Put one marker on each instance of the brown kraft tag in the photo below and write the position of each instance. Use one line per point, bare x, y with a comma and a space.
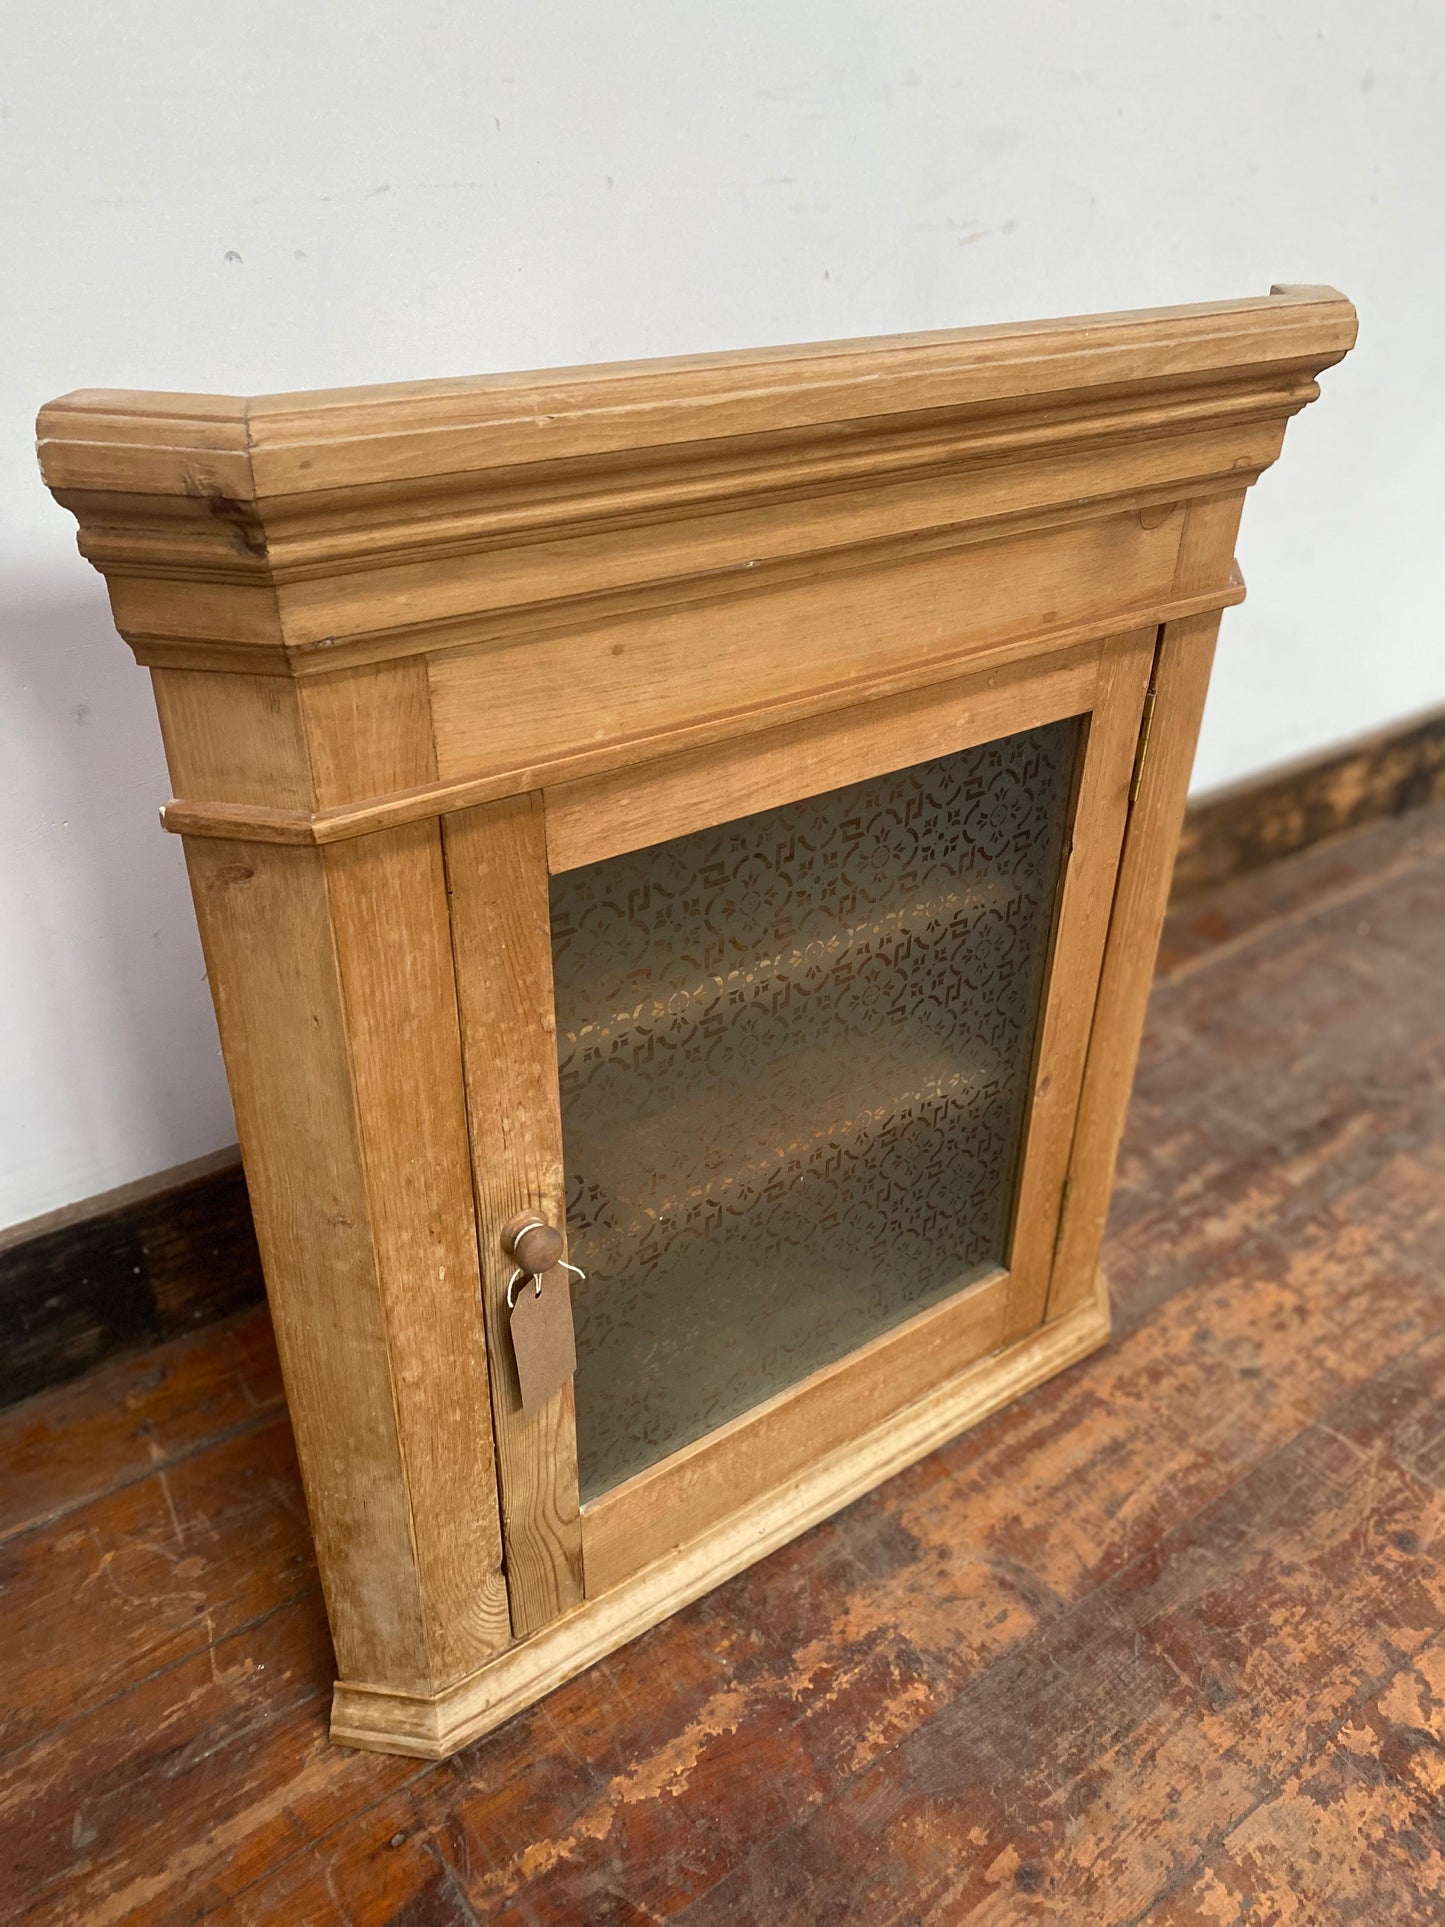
542, 1338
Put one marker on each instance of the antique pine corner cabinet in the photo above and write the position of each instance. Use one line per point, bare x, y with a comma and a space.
718, 810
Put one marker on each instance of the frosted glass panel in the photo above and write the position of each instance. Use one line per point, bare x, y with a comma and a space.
794, 1055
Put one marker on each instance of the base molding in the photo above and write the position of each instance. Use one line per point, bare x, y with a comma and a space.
431, 1727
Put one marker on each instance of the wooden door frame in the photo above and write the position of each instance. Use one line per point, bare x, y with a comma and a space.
1103, 681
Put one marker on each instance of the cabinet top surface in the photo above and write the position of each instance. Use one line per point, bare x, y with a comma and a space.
151, 442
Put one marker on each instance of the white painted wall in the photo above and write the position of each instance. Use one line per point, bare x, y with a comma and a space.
292, 195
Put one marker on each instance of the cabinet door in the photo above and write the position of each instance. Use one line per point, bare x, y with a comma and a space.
821, 999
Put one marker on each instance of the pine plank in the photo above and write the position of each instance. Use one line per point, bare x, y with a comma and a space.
148, 1575
501, 935
121, 1421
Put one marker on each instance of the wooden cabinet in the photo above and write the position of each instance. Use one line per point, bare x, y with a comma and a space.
720, 809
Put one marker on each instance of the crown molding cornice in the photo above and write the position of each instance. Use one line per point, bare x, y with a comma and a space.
284, 445
299, 534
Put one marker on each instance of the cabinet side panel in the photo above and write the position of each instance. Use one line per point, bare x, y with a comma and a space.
496, 859
1183, 658
1082, 924
266, 930
1186, 651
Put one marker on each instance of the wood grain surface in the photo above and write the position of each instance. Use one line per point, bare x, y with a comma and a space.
1178, 685
1163, 1642
496, 860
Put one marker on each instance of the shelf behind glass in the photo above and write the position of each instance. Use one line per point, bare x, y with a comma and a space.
794, 1055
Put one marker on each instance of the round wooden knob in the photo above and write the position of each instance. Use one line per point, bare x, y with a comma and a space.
533, 1242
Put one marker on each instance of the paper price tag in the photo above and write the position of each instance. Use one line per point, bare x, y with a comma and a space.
543, 1342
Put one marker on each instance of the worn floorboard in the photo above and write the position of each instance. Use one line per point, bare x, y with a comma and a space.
1165, 1641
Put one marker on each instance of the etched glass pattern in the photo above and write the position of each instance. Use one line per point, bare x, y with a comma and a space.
794, 1055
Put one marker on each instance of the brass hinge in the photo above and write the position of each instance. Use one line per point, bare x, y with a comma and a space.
1063, 1213
1146, 723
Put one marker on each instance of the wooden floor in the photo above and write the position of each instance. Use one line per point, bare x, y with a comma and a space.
1163, 1642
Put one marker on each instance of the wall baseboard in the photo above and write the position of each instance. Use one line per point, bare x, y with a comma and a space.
129, 1268
1286, 810
160, 1257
